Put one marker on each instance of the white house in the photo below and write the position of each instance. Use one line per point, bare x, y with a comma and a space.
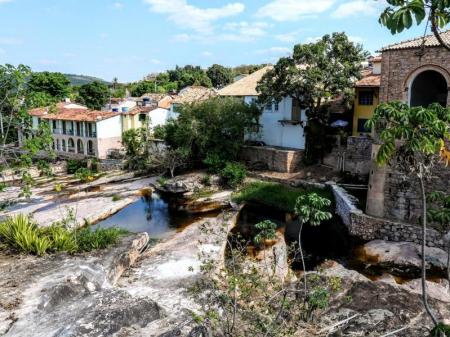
78, 131
282, 123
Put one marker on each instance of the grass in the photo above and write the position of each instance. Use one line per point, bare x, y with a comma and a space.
275, 195
21, 234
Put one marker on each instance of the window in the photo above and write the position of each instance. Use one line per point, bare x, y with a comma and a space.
276, 106
365, 98
362, 125
253, 100
142, 117
268, 107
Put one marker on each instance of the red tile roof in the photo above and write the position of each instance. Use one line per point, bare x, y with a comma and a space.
72, 114
369, 80
430, 41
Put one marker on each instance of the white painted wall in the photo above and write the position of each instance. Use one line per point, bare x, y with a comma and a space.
109, 128
160, 116
273, 133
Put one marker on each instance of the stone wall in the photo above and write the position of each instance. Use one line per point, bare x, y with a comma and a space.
272, 158
354, 158
399, 67
369, 228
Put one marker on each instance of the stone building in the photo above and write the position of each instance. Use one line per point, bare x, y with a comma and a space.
416, 72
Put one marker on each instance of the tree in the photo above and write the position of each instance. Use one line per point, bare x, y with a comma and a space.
189, 75
141, 88
400, 15
311, 209
215, 126
55, 85
219, 75
314, 74
411, 141
94, 95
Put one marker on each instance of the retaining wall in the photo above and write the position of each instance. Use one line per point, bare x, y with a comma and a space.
368, 228
272, 158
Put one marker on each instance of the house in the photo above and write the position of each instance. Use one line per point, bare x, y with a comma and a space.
78, 131
281, 122
416, 72
189, 95
367, 96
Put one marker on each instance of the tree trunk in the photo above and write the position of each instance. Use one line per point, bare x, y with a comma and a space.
448, 263
303, 259
424, 242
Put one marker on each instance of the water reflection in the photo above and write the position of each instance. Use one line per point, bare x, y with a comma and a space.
153, 215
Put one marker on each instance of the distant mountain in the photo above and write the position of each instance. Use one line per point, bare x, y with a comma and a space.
82, 79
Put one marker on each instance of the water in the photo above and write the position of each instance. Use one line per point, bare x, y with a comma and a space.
153, 215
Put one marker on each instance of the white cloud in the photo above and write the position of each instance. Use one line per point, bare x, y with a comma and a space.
243, 31
189, 16
282, 51
291, 10
118, 5
155, 61
8, 40
207, 54
357, 8
5, 1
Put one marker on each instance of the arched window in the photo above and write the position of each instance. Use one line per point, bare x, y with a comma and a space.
428, 87
64, 145
58, 145
80, 147
71, 145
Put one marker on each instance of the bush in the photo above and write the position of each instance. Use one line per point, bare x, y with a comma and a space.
214, 163
439, 329
23, 235
84, 174
99, 239
73, 165
233, 174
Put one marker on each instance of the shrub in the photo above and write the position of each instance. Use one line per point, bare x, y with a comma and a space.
99, 239
440, 329
214, 163
22, 234
73, 165
206, 180
84, 174
233, 174
267, 231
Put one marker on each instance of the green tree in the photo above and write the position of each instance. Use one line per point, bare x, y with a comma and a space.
189, 75
314, 74
219, 75
401, 14
215, 126
55, 85
140, 88
267, 231
94, 95
311, 209
411, 141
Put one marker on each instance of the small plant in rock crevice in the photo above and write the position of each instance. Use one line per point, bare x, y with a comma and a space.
267, 231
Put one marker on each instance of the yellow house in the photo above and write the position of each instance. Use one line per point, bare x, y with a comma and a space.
367, 97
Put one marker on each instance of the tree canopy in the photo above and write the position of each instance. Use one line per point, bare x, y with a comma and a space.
315, 73
94, 95
401, 14
50, 85
219, 75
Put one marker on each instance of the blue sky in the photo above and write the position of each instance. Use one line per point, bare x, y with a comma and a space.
132, 38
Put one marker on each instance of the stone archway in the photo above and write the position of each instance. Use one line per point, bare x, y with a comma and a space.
80, 146
427, 85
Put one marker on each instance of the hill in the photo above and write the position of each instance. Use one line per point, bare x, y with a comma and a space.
82, 79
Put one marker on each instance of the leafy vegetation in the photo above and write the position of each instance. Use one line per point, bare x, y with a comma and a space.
79, 80
214, 127
311, 209
267, 231
412, 141
220, 76
21, 233
274, 195
314, 75
94, 95
233, 174
400, 15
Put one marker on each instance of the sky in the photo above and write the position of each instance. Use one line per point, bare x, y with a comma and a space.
129, 39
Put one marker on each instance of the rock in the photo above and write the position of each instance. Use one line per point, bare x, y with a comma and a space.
215, 201
402, 256
439, 291
65, 296
333, 269
182, 184
274, 259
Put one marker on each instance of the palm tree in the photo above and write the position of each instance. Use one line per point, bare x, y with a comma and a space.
412, 140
